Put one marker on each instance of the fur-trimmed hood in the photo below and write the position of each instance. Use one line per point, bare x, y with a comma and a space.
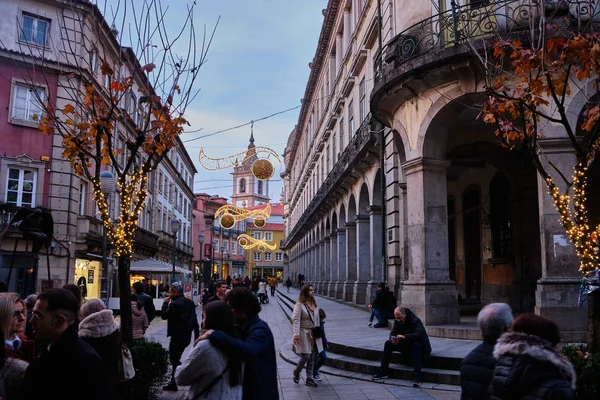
98, 324
519, 344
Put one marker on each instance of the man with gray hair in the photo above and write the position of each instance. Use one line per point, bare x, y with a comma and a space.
477, 367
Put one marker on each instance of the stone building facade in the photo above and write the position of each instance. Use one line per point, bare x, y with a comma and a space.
467, 222
38, 29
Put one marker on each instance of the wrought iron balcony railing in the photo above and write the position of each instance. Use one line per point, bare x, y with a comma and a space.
478, 19
341, 169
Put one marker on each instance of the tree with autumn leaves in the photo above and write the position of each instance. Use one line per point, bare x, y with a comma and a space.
108, 94
531, 76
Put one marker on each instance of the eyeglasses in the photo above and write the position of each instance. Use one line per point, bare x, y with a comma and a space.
20, 314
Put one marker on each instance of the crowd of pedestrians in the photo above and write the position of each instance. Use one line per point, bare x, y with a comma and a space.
54, 340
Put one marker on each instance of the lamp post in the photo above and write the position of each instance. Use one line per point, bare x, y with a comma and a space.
107, 186
201, 242
212, 255
175, 224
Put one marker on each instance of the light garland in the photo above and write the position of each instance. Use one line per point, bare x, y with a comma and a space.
231, 214
215, 164
575, 221
123, 234
248, 243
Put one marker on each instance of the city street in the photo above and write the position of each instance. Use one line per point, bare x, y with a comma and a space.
331, 388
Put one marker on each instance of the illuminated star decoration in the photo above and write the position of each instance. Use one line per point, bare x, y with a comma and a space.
249, 243
231, 214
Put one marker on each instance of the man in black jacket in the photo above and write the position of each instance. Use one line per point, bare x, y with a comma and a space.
477, 367
146, 300
408, 336
383, 306
69, 368
257, 347
180, 313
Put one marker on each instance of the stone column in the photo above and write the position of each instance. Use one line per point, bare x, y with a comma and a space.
351, 261
363, 257
341, 263
332, 72
322, 265
376, 273
326, 275
558, 289
428, 291
339, 52
333, 269
347, 30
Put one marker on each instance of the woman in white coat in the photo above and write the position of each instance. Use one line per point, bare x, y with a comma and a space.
305, 317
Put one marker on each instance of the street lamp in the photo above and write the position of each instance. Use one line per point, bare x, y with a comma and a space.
175, 224
107, 187
201, 242
212, 256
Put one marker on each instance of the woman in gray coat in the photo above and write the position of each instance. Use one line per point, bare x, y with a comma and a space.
304, 318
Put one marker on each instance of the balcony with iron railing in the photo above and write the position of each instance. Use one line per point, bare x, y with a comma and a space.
461, 31
362, 142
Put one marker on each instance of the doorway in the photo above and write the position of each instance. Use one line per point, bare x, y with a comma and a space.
472, 243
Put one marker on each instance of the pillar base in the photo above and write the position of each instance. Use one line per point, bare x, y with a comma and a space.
331, 289
435, 303
556, 299
359, 296
339, 290
348, 294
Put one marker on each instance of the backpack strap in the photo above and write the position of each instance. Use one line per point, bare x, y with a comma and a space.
208, 388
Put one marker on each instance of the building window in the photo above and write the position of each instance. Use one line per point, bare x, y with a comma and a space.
351, 119
233, 247
500, 216
242, 186
342, 134
27, 103
34, 29
82, 197
160, 182
260, 187
256, 256
268, 256
226, 245
278, 256
20, 187
334, 147
362, 89
216, 243
257, 235
269, 236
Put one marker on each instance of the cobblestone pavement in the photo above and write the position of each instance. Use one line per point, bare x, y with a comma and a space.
331, 388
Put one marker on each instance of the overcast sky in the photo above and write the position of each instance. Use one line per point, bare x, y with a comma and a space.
257, 66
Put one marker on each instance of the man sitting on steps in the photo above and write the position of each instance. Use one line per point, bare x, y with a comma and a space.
408, 337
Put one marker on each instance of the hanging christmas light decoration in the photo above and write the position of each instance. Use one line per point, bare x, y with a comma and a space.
216, 164
259, 221
263, 169
230, 214
248, 243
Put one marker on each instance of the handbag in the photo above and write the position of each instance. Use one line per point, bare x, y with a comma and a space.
317, 332
126, 371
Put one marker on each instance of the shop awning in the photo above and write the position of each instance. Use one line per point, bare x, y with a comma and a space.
153, 265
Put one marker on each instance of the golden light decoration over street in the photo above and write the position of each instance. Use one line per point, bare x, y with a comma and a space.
249, 243
259, 222
230, 211
227, 221
263, 169
215, 164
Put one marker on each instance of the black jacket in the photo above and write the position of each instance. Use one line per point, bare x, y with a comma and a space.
413, 330
70, 370
180, 314
148, 304
530, 368
476, 371
380, 299
257, 350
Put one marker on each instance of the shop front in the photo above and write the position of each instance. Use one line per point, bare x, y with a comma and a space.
87, 277
267, 271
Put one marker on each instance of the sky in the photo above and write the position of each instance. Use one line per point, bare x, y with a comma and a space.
257, 65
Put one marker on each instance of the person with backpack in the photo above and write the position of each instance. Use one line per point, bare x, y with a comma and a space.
145, 300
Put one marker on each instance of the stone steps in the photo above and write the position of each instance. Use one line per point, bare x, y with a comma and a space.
438, 369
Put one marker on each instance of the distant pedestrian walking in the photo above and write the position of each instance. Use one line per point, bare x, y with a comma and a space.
180, 313
304, 318
273, 285
146, 300
139, 318
288, 284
